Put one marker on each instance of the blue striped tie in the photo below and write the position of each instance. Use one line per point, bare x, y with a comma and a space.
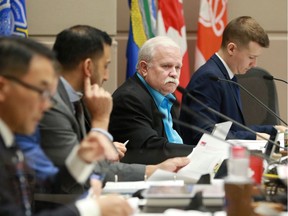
23, 182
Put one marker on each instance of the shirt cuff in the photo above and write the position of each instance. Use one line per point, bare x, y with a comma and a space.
88, 207
77, 167
104, 132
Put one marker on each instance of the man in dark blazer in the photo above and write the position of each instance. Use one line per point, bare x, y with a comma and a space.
143, 109
27, 81
242, 43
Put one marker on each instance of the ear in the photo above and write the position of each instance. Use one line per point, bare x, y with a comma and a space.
231, 48
3, 89
87, 67
143, 67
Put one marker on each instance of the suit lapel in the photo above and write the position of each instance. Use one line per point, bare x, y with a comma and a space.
64, 106
14, 176
226, 76
173, 109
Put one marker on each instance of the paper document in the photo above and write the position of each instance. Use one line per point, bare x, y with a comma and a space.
250, 144
206, 157
133, 186
161, 175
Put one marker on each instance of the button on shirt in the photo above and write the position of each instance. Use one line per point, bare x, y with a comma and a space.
164, 105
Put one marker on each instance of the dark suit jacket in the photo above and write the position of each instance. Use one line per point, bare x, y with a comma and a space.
217, 95
10, 194
60, 132
135, 117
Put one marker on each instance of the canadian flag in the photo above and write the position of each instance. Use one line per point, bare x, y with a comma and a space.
211, 23
170, 22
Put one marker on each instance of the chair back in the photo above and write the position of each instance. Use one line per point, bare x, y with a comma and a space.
265, 91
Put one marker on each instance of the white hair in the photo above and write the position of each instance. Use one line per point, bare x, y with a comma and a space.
147, 51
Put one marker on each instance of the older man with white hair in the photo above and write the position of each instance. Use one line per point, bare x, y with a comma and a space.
143, 108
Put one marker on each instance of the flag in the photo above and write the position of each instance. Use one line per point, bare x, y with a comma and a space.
170, 22
13, 18
142, 27
211, 23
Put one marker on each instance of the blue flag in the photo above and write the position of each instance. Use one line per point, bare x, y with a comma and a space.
13, 18
142, 27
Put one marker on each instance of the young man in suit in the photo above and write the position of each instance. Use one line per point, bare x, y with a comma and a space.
242, 43
28, 79
143, 109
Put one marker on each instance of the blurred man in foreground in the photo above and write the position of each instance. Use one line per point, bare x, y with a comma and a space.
27, 82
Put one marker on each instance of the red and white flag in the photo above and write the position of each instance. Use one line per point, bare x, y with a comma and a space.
211, 23
170, 22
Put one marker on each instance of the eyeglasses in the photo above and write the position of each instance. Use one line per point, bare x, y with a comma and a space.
44, 94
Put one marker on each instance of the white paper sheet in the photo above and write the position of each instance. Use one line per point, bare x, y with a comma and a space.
206, 157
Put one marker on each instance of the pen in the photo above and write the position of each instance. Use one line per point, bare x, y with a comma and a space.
125, 143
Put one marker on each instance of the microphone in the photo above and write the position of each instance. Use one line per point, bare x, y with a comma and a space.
186, 109
269, 77
249, 93
191, 127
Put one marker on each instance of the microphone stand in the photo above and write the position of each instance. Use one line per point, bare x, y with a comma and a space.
192, 127
184, 91
267, 77
249, 93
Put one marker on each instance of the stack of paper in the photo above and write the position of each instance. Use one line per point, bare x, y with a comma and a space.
132, 187
180, 196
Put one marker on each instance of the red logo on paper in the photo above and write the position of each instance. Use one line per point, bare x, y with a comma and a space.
202, 143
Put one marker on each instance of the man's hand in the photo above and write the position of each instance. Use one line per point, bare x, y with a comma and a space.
172, 165
280, 128
121, 149
96, 146
263, 136
99, 103
96, 187
114, 205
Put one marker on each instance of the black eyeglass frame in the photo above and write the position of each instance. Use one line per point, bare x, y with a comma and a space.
44, 94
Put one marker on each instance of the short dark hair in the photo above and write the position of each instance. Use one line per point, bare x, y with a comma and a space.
243, 30
78, 43
16, 54
107, 39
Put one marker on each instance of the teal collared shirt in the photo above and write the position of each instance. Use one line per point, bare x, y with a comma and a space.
164, 106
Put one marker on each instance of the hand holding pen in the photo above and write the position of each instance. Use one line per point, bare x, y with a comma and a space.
121, 148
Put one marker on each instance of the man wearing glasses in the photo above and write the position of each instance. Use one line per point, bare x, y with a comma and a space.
27, 80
